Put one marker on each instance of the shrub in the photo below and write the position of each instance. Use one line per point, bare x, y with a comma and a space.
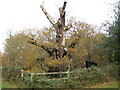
94, 75
11, 73
86, 77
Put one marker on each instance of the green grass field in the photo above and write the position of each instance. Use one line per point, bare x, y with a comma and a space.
108, 85
104, 85
5, 86
111, 85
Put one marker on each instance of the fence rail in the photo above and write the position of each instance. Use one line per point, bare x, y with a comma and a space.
51, 73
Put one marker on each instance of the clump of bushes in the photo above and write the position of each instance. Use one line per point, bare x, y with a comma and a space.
94, 75
85, 77
11, 73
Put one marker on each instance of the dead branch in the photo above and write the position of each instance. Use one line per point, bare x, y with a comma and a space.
67, 27
47, 15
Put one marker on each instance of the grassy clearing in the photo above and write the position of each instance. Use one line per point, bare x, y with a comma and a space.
6, 84
113, 84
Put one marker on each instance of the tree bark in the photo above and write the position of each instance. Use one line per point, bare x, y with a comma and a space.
60, 28
50, 51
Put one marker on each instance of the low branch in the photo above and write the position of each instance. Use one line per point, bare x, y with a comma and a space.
47, 49
74, 43
67, 27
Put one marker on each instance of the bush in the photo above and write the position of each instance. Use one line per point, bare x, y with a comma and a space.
95, 75
10, 73
86, 77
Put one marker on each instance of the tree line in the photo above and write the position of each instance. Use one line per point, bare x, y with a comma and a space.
62, 46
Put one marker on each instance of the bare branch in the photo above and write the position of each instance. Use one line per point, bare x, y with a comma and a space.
62, 9
62, 13
67, 27
64, 5
49, 50
47, 15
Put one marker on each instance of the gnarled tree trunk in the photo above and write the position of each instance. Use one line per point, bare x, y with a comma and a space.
60, 28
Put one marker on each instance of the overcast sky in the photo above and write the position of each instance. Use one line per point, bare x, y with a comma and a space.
16, 15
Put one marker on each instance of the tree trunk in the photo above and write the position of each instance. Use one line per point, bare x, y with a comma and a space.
60, 28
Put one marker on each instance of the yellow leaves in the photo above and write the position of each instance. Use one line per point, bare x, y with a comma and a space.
89, 43
27, 66
36, 70
66, 60
56, 63
72, 50
52, 62
46, 33
83, 52
83, 29
50, 44
3, 59
28, 70
29, 59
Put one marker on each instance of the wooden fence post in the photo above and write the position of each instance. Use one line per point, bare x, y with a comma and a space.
32, 74
22, 71
31, 78
68, 75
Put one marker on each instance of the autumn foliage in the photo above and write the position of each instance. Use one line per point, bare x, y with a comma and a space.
82, 41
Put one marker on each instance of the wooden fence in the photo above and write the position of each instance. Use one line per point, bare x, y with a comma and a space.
51, 73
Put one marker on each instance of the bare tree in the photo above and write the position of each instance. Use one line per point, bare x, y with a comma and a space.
60, 28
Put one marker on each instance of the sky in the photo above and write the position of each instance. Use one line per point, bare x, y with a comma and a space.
16, 15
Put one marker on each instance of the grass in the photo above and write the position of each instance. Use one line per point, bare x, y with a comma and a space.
113, 84
5, 86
